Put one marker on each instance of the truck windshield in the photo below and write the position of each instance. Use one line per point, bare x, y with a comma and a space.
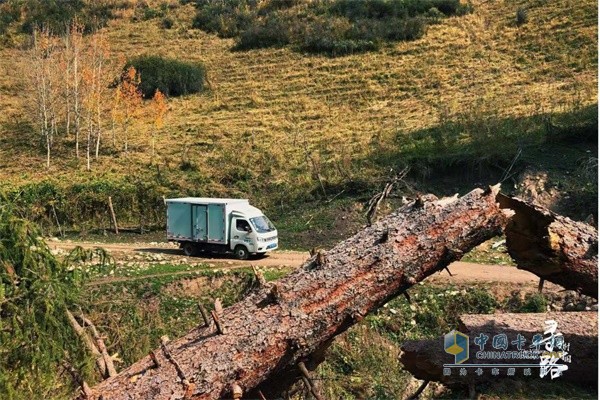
262, 224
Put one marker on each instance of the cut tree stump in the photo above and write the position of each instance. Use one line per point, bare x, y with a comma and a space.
555, 248
294, 320
425, 359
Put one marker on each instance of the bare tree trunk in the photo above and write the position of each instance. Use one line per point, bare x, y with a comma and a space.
112, 215
125, 134
295, 319
98, 132
77, 92
114, 136
47, 151
553, 247
425, 359
68, 64
100, 77
89, 142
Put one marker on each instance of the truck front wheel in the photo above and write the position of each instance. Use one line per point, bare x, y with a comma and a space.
241, 252
189, 249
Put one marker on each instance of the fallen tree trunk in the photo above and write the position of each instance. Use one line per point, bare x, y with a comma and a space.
266, 335
553, 247
425, 359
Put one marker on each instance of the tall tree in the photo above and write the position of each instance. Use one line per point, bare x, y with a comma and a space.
130, 100
43, 55
159, 110
75, 50
103, 67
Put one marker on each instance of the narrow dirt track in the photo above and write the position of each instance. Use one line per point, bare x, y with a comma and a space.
461, 271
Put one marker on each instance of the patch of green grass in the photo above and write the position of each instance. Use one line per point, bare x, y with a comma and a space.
529, 303
317, 224
275, 274
134, 314
136, 269
363, 364
492, 252
433, 312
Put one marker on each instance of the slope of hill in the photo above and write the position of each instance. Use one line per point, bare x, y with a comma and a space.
283, 127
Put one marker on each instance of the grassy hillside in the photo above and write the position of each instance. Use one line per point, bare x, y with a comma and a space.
282, 127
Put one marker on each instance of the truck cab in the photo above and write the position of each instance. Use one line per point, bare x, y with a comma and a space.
219, 226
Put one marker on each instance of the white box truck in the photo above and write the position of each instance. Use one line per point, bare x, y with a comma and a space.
201, 224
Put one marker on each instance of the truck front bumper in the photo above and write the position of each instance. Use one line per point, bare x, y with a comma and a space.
266, 247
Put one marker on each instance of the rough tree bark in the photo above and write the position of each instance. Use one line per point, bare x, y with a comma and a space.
425, 359
553, 247
295, 319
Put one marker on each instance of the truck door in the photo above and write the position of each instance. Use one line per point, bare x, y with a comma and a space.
216, 223
199, 223
241, 234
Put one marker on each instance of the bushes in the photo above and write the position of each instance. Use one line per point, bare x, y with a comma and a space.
390, 9
166, 23
35, 292
171, 77
9, 13
58, 14
226, 19
84, 205
337, 37
272, 32
522, 16
337, 27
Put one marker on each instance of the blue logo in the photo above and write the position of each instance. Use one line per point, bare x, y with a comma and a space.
457, 344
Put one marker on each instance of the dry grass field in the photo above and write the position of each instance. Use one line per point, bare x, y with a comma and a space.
309, 138
280, 123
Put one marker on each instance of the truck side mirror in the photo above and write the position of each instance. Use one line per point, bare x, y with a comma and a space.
248, 229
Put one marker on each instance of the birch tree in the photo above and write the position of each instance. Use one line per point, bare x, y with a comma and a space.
103, 68
74, 50
159, 110
43, 78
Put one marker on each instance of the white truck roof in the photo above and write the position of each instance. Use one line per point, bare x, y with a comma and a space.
206, 200
233, 205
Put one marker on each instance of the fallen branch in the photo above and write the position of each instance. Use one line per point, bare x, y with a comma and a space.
108, 360
376, 200
89, 344
112, 215
294, 320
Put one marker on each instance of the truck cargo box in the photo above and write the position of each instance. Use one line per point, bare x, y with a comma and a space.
200, 219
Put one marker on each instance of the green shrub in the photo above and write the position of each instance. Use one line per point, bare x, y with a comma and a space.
336, 27
84, 205
337, 37
339, 47
270, 32
386, 9
57, 15
151, 13
534, 303
172, 77
434, 15
226, 19
404, 29
10, 12
36, 290
521, 17
166, 23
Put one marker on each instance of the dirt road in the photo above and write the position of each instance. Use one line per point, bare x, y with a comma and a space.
147, 252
